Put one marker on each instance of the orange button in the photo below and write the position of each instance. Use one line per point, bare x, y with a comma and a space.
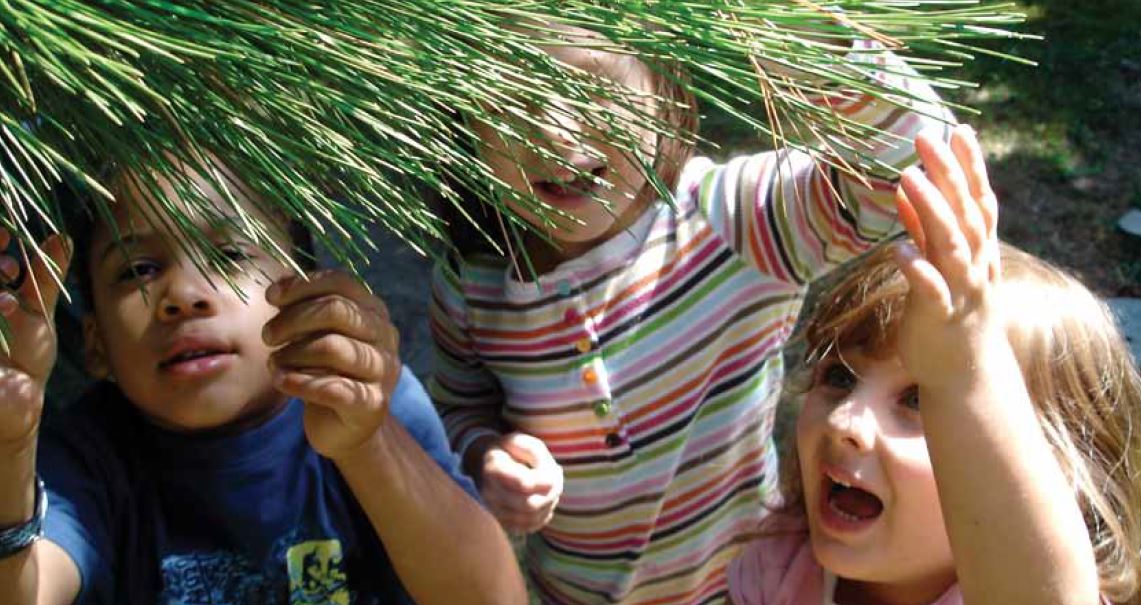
589, 376
583, 345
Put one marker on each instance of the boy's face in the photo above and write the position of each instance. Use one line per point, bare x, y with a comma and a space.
187, 352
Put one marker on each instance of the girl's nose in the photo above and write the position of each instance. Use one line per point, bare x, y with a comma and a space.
186, 294
853, 424
561, 125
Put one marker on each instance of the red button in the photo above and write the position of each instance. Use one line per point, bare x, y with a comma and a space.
571, 315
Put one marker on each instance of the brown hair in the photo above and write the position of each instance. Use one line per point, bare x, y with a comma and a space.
1078, 370
679, 111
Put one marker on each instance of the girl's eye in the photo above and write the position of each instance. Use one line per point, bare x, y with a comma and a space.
837, 376
910, 398
234, 254
139, 270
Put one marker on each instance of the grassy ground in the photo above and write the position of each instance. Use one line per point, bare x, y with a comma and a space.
1063, 138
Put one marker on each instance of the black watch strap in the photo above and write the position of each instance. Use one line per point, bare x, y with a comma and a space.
16, 539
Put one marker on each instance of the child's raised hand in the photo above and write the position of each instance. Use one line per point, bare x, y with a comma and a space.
338, 353
29, 311
953, 267
521, 482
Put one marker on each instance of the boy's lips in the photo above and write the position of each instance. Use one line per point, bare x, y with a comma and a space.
195, 356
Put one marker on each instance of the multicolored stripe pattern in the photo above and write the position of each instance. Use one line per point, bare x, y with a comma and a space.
651, 365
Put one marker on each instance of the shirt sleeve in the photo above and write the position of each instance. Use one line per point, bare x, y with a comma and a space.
466, 393
413, 409
78, 483
795, 215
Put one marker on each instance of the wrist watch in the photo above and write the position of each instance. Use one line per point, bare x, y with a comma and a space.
17, 538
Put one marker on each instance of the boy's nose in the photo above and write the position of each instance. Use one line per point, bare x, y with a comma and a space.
187, 294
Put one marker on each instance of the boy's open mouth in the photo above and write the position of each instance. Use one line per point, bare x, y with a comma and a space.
581, 184
850, 502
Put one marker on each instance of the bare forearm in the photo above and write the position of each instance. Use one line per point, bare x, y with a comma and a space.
444, 546
1015, 527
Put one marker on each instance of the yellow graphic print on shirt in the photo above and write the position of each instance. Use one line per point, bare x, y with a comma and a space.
316, 574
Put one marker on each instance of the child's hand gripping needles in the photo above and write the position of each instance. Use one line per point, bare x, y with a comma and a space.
24, 370
338, 353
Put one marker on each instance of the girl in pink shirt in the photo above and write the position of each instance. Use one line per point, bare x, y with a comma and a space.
966, 435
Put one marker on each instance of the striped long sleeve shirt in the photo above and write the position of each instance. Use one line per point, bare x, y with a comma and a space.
650, 366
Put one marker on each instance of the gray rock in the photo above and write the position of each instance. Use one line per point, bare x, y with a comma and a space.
1130, 222
1128, 312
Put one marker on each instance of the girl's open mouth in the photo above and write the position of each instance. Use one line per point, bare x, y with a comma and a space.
847, 508
852, 502
582, 185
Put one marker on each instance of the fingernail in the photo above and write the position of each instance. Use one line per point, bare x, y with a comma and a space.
8, 303
906, 250
9, 267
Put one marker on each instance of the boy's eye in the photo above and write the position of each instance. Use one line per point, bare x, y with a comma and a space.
837, 376
139, 269
910, 398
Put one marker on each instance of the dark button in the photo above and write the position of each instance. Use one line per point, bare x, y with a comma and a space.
613, 440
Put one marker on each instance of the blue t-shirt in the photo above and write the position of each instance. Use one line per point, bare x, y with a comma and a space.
150, 516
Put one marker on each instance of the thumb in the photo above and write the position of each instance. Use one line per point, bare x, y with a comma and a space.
48, 268
526, 449
531, 451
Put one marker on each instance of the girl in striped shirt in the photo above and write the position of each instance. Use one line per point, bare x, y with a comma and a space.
620, 405
969, 433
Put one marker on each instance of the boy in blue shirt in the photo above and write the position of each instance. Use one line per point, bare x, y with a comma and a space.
265, 449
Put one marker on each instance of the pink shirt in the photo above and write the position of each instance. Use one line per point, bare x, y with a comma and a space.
781, 570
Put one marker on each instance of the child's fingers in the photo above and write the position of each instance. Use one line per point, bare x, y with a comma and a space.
290, 290
351, 399
331, 312
533, 452
945, 248
923, 278
43, 284
906, 213
965, 146
508, 474
335, 354
942, 168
